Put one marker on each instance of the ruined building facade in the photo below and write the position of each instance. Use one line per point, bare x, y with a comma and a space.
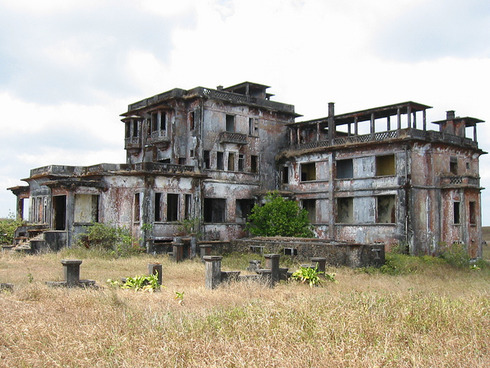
377, 175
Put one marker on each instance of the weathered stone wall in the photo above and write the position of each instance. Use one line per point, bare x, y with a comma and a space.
337, 254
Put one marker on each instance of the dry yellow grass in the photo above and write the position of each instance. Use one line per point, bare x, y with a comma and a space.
438, 318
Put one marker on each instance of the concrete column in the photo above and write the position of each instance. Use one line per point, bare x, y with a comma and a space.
213, 271
272, 263
71, 271
319, 263
155, 269
178, 249
205, 250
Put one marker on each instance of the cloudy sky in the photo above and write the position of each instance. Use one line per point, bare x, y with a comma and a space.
68, 68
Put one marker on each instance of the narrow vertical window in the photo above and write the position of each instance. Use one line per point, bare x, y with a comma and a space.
456, 215
187, 206
453, 165
254, 163
231, 161
285, 174
135, 128
136, 207
240, 162
250, 126
207, 162
230, 123
163, 121
191, 121
472, 213
219, 161
158, 211
172, 207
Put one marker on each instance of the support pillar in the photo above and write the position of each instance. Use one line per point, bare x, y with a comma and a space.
178, 249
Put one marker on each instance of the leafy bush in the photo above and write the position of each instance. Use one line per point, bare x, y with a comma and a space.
311, 276
456, 255
279, 217
144, 283
7, 229
116, 240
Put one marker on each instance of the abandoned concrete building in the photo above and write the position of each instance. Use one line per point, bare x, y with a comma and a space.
376, 175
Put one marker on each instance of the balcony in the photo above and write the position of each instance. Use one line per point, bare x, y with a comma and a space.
232, 137
159, 138
409, 133
132, 143
460, 182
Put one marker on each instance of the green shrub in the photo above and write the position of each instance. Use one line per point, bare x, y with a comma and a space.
311, 276
7, 229
456, 255
143, 283
279, 217
116, 240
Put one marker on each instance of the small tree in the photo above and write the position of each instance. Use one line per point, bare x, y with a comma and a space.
7, 229
279, 217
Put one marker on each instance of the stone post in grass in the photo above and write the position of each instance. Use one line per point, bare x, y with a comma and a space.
319, 263
272, 263
213, 271
155, 269
72, 271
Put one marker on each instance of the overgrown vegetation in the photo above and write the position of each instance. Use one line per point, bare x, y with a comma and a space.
143, 283
279, 217
434, 317
7, 229
115, 240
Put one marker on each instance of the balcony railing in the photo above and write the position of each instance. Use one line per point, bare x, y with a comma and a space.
431, 136
159, 138
163, 167
132, 143
232, 137
460, 181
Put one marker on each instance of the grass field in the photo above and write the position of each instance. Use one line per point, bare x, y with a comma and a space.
434, 316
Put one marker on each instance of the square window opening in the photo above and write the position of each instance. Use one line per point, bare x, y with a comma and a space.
385, 165
345, 169
308, 171
345, 210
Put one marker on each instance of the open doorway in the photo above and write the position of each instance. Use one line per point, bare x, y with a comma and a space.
59, 207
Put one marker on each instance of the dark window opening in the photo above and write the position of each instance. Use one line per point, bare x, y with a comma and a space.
231, 161
345, 210
219, 161
241, 161
290, 252
345, 169
136, 208
259, 249
285, 174
308, 171
158, 209
182, 160
172, 207
254, 163
453, 165
243, 209
135, 128
230, 123
385, 165
59, 203
472, 213
214, 210
154, 122
456, 218
191, 120
250, 126
191, 153
386, 213
128, 129
187, 206
207, 162
163, 121
310, 206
